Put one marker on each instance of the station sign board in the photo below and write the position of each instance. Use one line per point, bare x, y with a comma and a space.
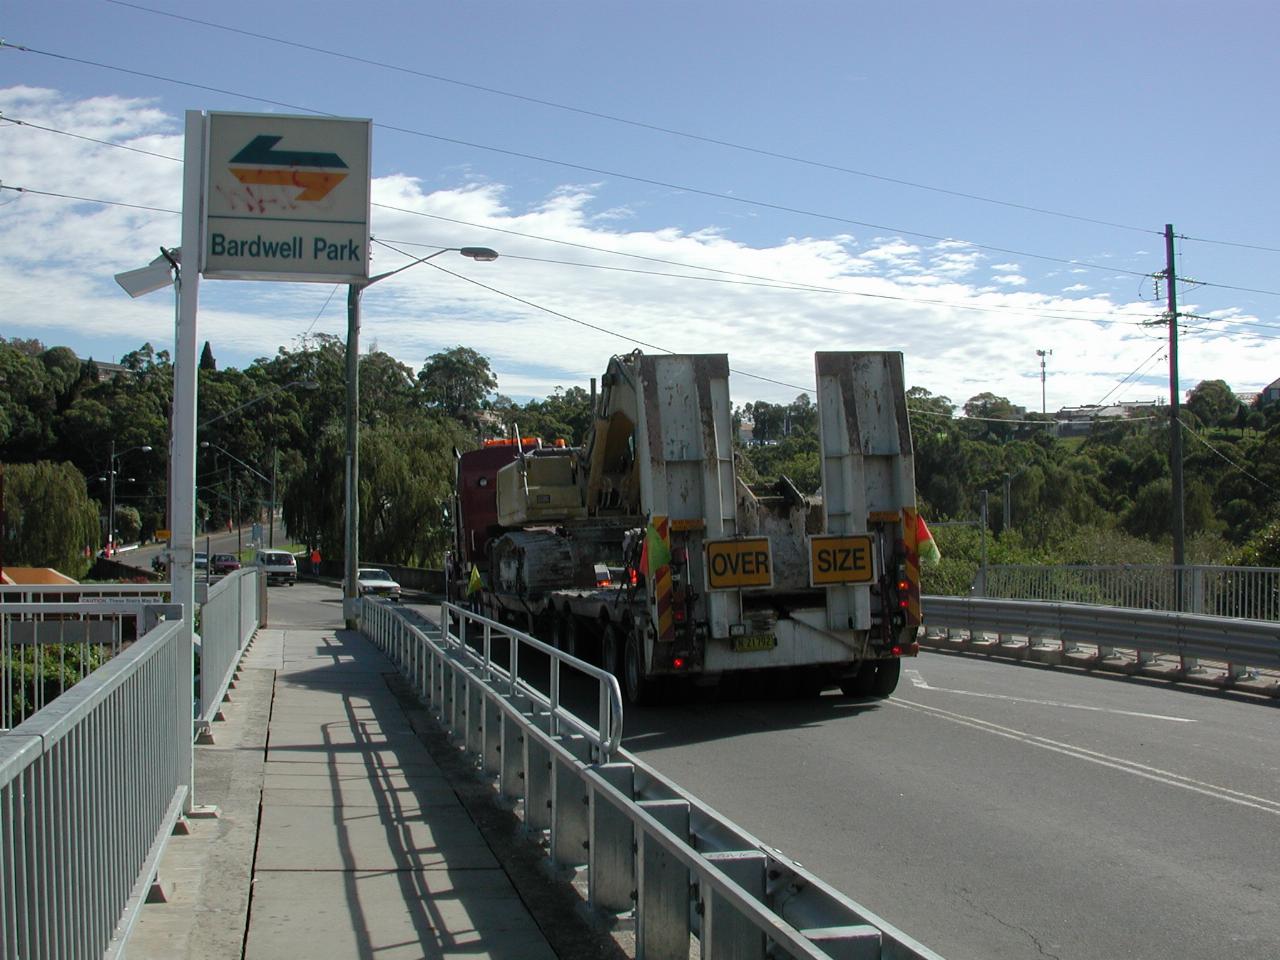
286, 198
840, 559
739, 564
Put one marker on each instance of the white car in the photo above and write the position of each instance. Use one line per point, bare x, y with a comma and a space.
373, 581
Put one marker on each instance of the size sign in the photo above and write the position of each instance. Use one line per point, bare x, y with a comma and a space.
735, 564
840, 559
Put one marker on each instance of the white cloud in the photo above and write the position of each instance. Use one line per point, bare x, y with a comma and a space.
691, 288
1076, 288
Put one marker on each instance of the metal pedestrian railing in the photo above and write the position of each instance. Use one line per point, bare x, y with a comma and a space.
1251, 593
677, 866
90, 788
228, 619
46, 648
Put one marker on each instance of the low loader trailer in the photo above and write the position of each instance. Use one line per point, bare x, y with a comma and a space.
645, 551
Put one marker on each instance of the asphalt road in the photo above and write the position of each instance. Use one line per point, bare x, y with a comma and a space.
995, 810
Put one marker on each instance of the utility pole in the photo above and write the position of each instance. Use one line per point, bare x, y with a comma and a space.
1044, 408
350, 594
1175, 401
271, 519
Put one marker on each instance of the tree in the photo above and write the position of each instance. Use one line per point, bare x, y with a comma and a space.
456, 382
49, 518
1213, 403
986, 410
207, 362
566, 414
920, 402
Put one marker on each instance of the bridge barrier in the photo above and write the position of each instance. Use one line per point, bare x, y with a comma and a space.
649, 849
1242, 646
90, 789
1252, 593
229, 616
47, 647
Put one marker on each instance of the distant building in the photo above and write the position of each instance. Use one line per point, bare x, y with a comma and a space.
32, 577
108, 371
1271, 392
1079, 421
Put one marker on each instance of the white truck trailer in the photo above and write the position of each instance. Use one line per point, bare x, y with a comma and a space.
645, 549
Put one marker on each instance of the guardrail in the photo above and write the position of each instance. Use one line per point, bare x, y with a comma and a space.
75, 592
46, 648
1249, 592
90, 789
228, 619
650, 849
1239, 644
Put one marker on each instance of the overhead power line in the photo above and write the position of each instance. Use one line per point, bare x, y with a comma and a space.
653, 346
69, 196
601, 171
640, 124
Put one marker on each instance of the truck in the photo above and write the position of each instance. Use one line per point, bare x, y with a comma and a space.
644, 549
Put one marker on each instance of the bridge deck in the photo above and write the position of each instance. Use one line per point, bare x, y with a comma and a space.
338, 835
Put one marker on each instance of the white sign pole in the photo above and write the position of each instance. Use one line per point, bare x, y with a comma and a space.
182, 452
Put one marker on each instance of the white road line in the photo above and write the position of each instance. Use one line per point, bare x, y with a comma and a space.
1092, 756
922, 684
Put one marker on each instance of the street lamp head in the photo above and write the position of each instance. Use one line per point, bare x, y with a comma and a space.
483, 254
145, 448
156, 275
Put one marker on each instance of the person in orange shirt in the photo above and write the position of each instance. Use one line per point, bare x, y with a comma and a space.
315, 561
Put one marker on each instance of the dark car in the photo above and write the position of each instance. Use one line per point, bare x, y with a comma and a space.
224, 563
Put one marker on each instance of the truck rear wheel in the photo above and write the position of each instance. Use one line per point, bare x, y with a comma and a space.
611, 650
875, 678
639, 689
887, 673
566, 633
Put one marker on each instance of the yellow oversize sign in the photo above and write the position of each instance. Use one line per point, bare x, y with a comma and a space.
840, 559
735, 564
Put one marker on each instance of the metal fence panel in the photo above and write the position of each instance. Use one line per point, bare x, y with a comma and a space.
46, 648
90, 788
651, 840
228, 619
1249, 593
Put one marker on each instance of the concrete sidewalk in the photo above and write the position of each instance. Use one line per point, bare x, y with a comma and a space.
338, 836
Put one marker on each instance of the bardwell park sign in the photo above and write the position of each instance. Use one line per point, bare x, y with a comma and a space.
286, 198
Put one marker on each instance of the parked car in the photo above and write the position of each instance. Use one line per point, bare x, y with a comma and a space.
224, 563
279, 566
372, 580
202, 562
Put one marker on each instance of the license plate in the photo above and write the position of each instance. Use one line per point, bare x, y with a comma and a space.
753, 641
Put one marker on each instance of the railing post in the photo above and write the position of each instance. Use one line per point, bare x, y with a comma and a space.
662, 887
511, 777
611, 854
537, 784
569, 800
726, 932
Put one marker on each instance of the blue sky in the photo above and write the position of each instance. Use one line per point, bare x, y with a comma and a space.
965, 183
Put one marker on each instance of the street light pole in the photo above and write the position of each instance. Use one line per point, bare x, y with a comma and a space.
111, 502
350, 595
111, 492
